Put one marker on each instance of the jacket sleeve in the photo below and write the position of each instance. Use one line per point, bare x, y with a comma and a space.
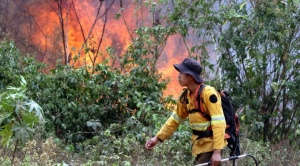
171, 125
213, 105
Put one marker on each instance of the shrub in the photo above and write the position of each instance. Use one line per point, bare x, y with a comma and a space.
19, 117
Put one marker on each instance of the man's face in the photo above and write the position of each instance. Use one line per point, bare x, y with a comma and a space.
184, 79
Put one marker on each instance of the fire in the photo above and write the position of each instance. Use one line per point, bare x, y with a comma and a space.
81, 22
174, 53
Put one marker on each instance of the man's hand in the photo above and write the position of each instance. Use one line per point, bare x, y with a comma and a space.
216, 158
151, 143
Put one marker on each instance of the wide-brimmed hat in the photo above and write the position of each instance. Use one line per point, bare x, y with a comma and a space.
191, 67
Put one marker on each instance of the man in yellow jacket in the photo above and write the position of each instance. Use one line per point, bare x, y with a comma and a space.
208, 130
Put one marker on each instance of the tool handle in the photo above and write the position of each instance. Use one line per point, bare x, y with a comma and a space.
227, 159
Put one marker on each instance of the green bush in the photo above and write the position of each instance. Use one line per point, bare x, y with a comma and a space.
13, 64
79, 104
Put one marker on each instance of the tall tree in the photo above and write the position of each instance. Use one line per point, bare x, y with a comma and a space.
256, 44
260, 59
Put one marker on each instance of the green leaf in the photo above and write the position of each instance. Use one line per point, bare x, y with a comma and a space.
23, 81
6, 106
30, 119
126, 163
22, 131
117, 16
19, 106
4, 115
242, 5
243, 117
37, 108
154, 117
139, 114
94, 124
6, 133
70, 148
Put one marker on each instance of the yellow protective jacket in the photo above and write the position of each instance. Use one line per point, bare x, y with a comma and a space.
212, 106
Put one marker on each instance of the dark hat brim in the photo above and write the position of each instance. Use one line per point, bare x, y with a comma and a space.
183, 69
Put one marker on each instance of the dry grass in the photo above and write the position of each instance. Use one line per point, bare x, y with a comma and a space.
47, 152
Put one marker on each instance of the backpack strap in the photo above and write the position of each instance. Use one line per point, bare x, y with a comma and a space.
200, 103
183, 97
208, 132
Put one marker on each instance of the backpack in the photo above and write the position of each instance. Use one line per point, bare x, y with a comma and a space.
231, 118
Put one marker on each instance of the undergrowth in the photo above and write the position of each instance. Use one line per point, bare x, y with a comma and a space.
128, 150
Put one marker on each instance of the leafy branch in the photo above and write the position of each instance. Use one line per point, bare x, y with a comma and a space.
19, 116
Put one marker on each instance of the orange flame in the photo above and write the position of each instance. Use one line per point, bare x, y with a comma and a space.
116, 33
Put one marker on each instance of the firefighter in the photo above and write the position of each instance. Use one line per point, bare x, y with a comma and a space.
208, 133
